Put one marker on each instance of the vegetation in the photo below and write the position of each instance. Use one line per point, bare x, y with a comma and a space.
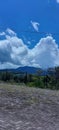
50, 80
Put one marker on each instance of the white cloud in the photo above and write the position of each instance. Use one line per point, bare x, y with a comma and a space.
35, 25
14, 53
10, 32
29, 43
12, 50
7, 65
46, 52
57, 1
2, 33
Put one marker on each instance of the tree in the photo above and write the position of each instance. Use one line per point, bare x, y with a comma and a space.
39, 72
6, 76
25, 78
57, 72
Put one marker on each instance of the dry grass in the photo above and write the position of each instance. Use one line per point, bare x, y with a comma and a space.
24, 108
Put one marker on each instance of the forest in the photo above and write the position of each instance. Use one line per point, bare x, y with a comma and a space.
48, 80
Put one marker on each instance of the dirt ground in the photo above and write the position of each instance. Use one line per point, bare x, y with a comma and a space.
24, 108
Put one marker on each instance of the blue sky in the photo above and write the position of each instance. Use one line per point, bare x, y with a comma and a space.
17, 14
24, 20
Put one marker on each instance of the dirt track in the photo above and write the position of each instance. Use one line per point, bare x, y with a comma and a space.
24, 108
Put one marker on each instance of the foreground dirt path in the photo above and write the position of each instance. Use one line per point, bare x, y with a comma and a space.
24, 108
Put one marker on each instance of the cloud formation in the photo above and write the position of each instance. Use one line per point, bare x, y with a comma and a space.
46, 52
2, 33
14, 53
12, 50
35, 25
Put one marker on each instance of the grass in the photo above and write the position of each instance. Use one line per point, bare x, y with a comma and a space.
19, 103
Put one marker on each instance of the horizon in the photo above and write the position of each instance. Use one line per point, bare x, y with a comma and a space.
28, 67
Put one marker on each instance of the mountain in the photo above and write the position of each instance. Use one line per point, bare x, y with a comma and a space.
29, 70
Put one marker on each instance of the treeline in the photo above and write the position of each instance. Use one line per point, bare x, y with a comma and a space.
49, 80
8, 76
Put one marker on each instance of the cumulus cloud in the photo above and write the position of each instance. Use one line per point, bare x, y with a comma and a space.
12, 50
14, 53
46, 52
35, 25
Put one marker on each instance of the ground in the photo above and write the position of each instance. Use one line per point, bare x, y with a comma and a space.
24, 108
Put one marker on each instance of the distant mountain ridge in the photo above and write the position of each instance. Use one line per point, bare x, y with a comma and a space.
29, 70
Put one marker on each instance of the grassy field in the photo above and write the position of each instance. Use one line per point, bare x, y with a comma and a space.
25, 108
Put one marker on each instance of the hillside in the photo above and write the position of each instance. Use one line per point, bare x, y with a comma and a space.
29, 70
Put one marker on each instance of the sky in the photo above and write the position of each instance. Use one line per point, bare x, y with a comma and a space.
29, 33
